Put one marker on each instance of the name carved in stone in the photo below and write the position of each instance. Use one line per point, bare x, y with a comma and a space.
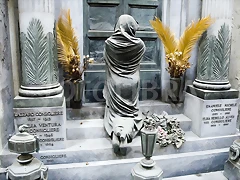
219, 115
47, 125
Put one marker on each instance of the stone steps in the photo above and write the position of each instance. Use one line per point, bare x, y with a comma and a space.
100, 149
96, 110
173, 166
218, 175
93, 128
89, 154
205, 176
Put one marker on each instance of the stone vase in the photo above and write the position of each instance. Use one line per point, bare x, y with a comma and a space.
175, 86
78, 87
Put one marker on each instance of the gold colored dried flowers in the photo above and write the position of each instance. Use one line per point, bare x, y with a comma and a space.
176, 67
68, 49
178, 52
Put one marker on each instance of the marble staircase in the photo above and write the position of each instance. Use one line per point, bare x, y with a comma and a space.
89, 154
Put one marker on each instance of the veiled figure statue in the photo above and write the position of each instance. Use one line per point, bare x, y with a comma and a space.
123, 53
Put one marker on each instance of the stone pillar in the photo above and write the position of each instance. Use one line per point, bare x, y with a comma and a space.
41, 103
215, 47
6, 80
38, 49
215, 107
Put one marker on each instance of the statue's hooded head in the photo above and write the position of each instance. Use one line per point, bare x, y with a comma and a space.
128, 24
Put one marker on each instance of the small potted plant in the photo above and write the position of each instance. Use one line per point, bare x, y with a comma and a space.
178, 52
69, 57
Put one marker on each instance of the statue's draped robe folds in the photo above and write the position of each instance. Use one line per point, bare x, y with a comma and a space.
123, 53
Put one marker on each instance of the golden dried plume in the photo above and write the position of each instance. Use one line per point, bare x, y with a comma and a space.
164, 33
191, 35
67, 44
178, 51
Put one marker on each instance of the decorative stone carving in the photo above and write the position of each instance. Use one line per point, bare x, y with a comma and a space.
214, 57
38, 59
26, 166
123, 53
215, 47
38, 49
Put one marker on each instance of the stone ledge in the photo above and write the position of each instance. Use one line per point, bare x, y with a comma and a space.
96, 110
218, 175
172, 166
205, 176
87, 129
93, 150
31, 102
211, 95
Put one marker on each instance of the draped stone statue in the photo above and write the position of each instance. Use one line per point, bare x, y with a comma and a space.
123, 53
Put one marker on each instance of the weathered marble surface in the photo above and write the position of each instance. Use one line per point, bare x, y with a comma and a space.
6, 79
181, 164
96, 110
204, 176
100, 149
218, 175
93, 128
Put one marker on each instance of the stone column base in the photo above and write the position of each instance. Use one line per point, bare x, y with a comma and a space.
141, 173
213, 113
40, 91
212, 85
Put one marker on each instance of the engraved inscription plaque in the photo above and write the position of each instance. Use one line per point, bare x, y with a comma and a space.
48, 123
211, 117
219, 116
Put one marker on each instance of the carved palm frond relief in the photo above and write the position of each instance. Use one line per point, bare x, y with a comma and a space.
36, 54
203, 57
23, 50
214, 55
55, 57
212, 40
50, 56
222, 53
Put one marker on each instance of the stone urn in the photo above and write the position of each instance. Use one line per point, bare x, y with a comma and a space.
26, 166
147, 169
175, 86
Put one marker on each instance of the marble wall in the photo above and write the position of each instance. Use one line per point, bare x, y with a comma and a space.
14, 42
76, 8
6, 79
234, 75
234, 69
177, 14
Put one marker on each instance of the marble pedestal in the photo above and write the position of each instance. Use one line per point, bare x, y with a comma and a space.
213, 113
46, 118
141, 173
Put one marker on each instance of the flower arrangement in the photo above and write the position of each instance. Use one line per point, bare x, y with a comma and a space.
168, 129
68, 49
178, 51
